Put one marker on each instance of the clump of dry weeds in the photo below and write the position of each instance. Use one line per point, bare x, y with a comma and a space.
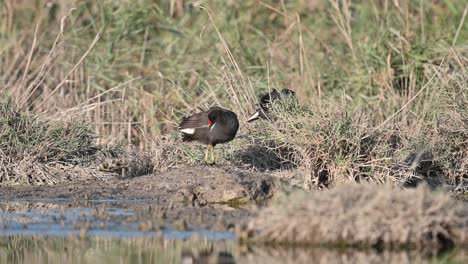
363, 216
450, 139
39, 151
35, 150
330, 144
160, 154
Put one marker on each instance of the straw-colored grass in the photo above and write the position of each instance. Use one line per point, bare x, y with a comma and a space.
331, 143
364, 216
35, 150
381, 83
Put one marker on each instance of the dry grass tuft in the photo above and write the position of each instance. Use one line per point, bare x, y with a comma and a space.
330, 144
161, 154
450, 139
28, 135
38, 151
35, 150
364, 216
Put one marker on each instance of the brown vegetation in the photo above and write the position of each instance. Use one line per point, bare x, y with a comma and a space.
383, 88
363, 216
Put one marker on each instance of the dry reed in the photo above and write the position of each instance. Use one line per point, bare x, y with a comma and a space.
364, 216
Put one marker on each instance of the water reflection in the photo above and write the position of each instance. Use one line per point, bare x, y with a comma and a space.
31, 249
138, 232
346, 256
114, 219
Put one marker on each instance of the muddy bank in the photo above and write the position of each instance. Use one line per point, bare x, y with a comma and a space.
119, 218
198, 185
189, 198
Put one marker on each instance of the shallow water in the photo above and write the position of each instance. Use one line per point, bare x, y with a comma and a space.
108, 218
133, 231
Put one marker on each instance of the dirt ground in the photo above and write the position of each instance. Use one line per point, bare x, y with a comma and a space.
200, 197
198, 185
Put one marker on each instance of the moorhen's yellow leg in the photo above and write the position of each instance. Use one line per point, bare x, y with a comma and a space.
209, 156
213, 158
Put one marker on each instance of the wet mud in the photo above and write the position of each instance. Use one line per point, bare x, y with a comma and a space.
198, 185
213, 198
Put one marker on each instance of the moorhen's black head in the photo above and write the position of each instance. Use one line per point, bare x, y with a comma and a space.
215, 114
267, 99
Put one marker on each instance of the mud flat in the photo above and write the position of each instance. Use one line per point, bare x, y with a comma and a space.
191, 198
198, 185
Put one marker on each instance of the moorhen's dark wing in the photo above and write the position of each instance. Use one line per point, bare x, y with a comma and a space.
195, 127
194, 121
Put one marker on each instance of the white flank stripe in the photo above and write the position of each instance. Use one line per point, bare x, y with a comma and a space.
211, 128
254, 116
188, 130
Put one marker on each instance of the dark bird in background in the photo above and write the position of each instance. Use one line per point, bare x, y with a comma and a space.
212, 127
267, 99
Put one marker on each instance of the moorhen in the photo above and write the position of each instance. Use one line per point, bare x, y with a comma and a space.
212, 127
267, 99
